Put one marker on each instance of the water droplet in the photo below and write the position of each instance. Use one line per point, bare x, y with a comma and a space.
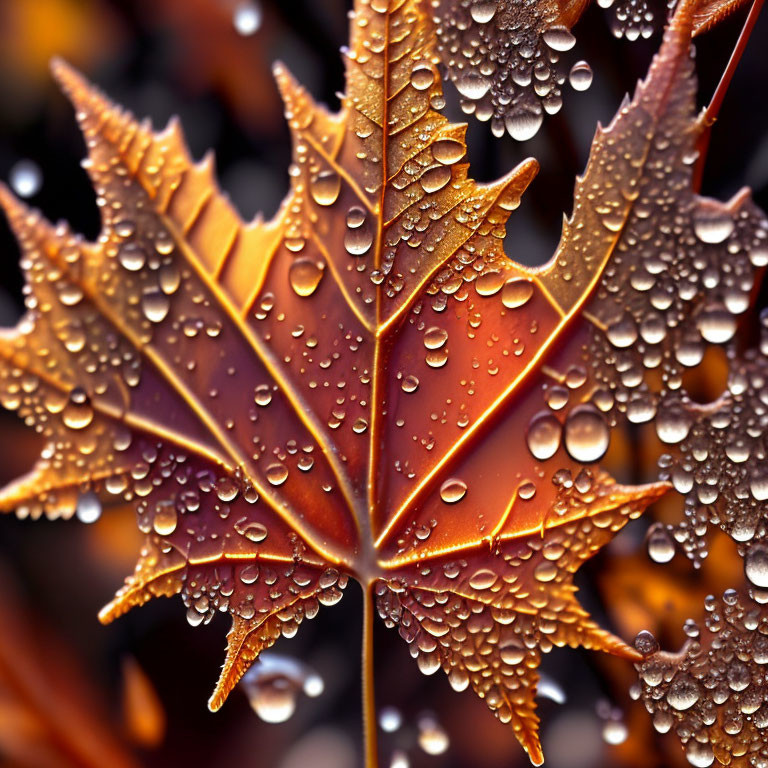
247, 18
26, 178
517, 291
262, 395
453, 490
305, 275
698, 754
326, 187
448, 151
756, 566
410, 383
523, 124
435, 337
255, 532
422, 76
277, 473
88, 509
717, 325
472, 85
661, 548
358, 238
615, 732
683, 693
434, 179
132, 256
543, 438
559, 39
77, 413
155, 306
483, 11
482, 579
712, 224
586, 434
166, 519
580, 76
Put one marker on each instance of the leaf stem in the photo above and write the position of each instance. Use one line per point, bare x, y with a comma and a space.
369, 697
709, 117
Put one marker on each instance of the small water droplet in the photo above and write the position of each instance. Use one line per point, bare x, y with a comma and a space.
277, 473
247, 18
422, 76
26, 178
155, 306
523, 124
166, 519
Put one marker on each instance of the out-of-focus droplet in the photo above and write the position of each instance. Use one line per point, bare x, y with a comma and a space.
26, 178
399, 760
580, 76
390, 719
165, 520
472, 85
712, 224
615, 732
247, 17
483, 11
432, 736
273, 684
699, 755
88, 509
661, 548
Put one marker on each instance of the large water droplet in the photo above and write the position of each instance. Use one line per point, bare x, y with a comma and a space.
325, 188
88, 509
559, 39
586, 434
517, 291
472, 85
166, 519
711, 224
305, 275
523, 124
661, 548
543, 438
756, 566
422, 76
453, 490
483, 11
580, 76
155, 306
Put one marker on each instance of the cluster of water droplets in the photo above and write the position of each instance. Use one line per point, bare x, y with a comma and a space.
713, 693
632, 19
505, 61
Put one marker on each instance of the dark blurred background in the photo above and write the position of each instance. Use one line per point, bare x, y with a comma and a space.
139, 688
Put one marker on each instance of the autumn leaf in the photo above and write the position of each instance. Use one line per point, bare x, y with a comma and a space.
366, 386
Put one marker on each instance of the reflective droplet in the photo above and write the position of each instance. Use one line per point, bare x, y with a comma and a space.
435, 337
262, 395
88, 509
277, 473
255, 532
448, 151
155, 306
559, 39
247, 18
434, 179
358, 238
544, 434
586, 434
711, 224
523, 124
325, 188
516, 292
390, 719
615, 732
699, 755
489, 283
756, 566
77, 413
422, 76
432, 737
132, 256
580, 76
409, 384
165, 519
483, 11
717, 325
305, 275
472, 85
483, 579
453, 490
661, 548
683, 694
26, 178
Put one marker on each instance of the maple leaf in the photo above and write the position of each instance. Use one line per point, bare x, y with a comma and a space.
365, 386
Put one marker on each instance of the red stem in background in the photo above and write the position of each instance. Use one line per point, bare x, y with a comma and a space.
709, 117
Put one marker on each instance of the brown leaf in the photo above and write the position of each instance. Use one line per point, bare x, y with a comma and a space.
365, 386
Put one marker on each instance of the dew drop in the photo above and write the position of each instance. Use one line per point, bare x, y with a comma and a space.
255, 532
432, 737
661, 548
390, 719
586, 434
580, 76
756, 566
305, 275
155, 306
277, 473
410, 383
482, 579
358, 238
165, 519
472, 85
453, 490
544, 434
325, 188
559, 39
434, 179
523, 124
483, 11
77, 413
132, 256
711, 224
517, 291
448, 151
699, 755
422, 76
435, 337
262, 395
